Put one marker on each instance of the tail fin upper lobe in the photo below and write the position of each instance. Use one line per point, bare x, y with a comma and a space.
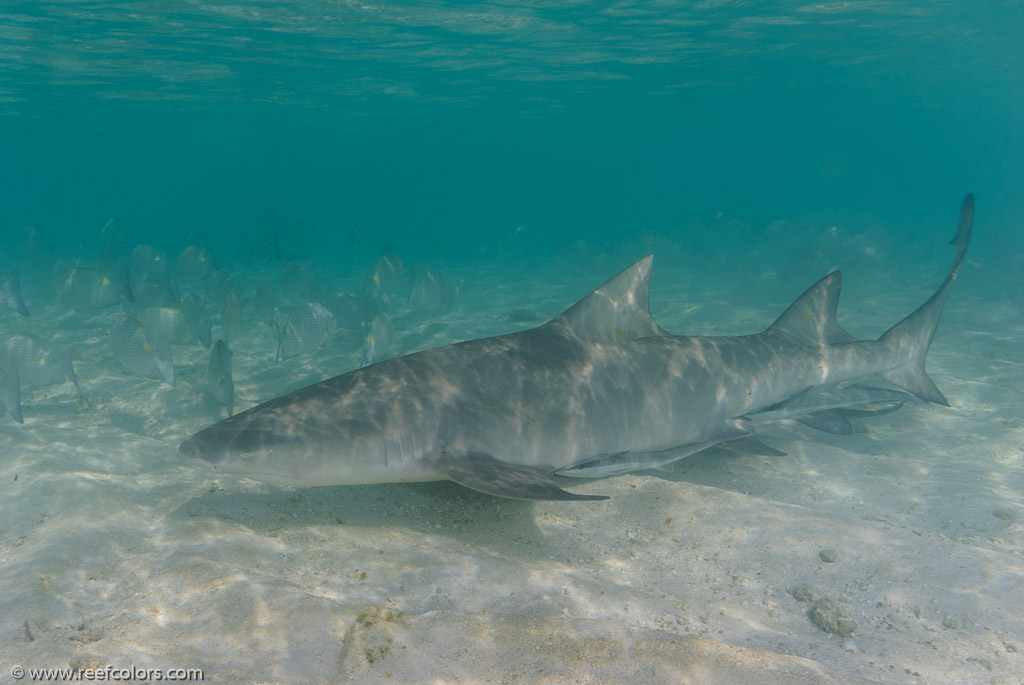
913, 335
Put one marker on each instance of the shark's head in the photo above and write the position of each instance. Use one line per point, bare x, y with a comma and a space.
246, 450
298, 443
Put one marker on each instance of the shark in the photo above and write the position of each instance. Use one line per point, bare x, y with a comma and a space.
597, 391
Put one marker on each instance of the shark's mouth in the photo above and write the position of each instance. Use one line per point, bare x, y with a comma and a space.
191, 451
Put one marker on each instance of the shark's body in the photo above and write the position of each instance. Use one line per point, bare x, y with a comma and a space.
599, 390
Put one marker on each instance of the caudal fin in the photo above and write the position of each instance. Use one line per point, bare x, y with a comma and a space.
913, 335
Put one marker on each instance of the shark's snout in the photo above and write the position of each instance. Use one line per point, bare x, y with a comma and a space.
252, 451
189, 449
192, 449
227, 444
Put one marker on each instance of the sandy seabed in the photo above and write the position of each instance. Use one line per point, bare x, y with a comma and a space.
892, 555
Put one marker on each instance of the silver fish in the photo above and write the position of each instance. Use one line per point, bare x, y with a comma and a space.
195, 263
386, 275
10, 295
35, 363
217, 286
10, 396
218, 375
296, 279
150, 281
309, 326
148, 263
195, 317
347, 311
139, 351
380, 336
433, 292
231, 314
94, 288
167, 322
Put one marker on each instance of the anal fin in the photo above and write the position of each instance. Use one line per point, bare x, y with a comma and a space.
828, 421
484, 473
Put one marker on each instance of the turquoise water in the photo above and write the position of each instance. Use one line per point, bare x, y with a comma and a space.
415, 123
527, 152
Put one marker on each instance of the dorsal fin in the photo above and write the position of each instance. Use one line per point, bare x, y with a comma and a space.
812, 316
617, 311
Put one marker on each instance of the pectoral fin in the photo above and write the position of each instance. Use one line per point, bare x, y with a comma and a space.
491, 476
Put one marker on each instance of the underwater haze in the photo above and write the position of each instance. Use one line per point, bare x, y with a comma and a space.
207, 204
